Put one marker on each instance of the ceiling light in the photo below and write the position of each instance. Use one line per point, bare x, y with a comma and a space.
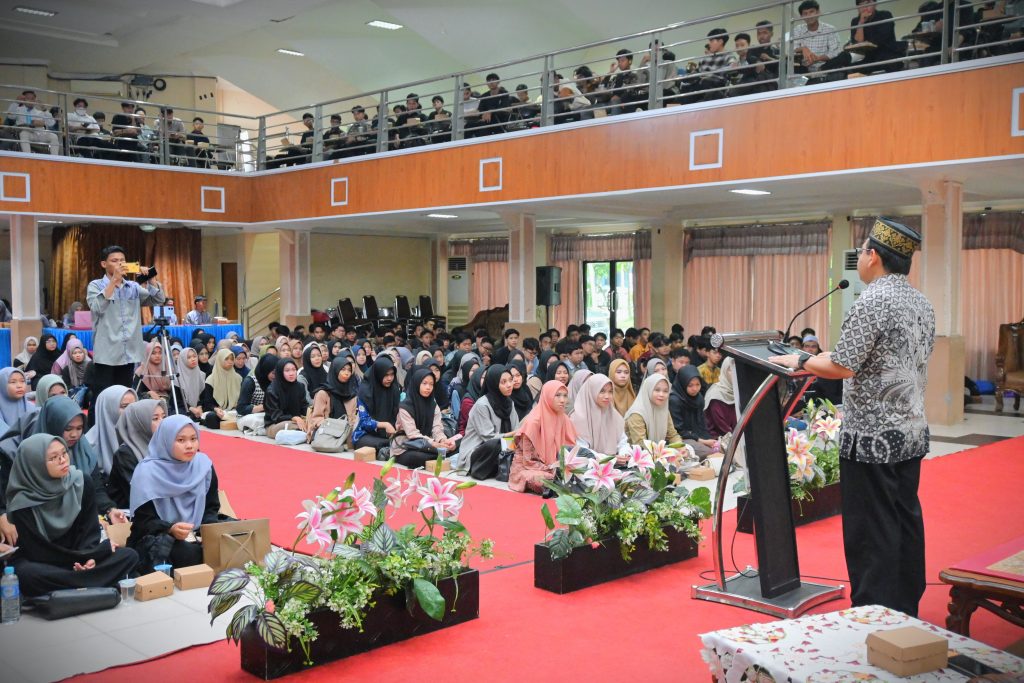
440, 215
750, 192
293, 53
384, 24
35, 12
147, 227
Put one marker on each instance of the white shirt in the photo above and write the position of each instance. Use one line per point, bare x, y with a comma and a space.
27, 115
824, 41
85, 121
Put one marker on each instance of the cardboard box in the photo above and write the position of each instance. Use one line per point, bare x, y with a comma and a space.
701, 473
153, 586
907, 651
228, 425
366, 454
198, 576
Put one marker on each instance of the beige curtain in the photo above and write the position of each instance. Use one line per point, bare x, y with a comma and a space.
991, 293
717, 292
488, 286
642, 293
782, 285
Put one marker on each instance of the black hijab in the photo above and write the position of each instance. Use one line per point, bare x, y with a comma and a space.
421, 409
316, 378
453, 366
542, 363
266, 365
687, 411
365, 367
521, 397
340, 392
380, 401
200, 345
42, 360
500, 404
476, 383
549, 374
291, 397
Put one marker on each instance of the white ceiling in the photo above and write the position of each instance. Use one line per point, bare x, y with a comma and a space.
237, 39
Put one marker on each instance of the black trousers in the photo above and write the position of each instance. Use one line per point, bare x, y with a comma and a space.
107, 376
883, 533
372, 441
37, 578
413, 458
483, 462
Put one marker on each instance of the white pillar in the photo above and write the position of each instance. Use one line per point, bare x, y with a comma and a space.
667, 272
438, 274
295, 276
841, 240
522, 273
25, 290
939, 260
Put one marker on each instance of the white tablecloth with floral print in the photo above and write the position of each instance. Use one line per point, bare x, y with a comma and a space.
829, 648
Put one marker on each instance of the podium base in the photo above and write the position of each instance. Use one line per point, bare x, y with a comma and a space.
744, 590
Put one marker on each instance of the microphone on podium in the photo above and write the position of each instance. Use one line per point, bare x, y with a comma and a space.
843, 284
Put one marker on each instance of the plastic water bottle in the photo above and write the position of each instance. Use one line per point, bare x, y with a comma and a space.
10, 597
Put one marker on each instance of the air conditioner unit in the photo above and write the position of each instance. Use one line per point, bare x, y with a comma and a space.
99, 89
851, 293
458, 290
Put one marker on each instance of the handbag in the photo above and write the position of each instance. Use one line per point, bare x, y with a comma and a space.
450, 424
290, 437
331, 435
505, 464
419, 444
74, 601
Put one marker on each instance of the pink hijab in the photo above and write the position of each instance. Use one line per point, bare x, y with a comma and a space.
65, 358
151, 371
547, 427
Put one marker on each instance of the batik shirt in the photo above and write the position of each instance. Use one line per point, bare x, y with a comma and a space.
886, 341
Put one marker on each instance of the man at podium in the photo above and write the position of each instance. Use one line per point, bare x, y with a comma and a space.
882, 356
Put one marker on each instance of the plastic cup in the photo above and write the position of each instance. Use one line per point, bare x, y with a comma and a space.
442, 453
165, 568
127, 587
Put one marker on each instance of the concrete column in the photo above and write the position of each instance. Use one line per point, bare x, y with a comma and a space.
667, 275
295, 275
939, 261
522, 274
25, 303
438, 274
842, 240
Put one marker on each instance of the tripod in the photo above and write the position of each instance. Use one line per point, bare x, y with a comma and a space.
167, 367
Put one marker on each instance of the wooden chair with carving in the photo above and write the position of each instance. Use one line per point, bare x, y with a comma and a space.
1010, 363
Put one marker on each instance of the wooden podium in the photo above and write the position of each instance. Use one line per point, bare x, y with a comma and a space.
775, 587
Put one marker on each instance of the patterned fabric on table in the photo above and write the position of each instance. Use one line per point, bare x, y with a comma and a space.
886, 341
829, 648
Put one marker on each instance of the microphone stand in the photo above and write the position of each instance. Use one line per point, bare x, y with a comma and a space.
843, 284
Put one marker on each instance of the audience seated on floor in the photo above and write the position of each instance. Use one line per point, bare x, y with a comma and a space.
420, 432
599, 426
539, 439
491, 418
337, 400
285, 402
686, 406
648, 418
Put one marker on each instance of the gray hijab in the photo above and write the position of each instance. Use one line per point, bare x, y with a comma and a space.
55, 503
45, 386
134, 427
178, 489
103, 435
191, 380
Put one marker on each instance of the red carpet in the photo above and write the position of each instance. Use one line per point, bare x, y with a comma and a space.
644, 627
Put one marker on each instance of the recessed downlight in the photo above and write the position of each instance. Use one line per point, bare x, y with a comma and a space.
35, 11
292, 53
753, 193
441, 215
377, 23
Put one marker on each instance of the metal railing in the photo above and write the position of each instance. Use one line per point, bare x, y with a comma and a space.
261, 312
675, 65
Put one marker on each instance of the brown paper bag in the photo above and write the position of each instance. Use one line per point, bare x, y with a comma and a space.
233, 544
225, 506
119, 533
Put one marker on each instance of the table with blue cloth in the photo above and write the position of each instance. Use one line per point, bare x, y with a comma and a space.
182, 332
5, 347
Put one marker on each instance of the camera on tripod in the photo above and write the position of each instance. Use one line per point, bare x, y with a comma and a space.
161, 322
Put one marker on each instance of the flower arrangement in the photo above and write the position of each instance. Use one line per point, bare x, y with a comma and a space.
812, 453
598, 501
359, 555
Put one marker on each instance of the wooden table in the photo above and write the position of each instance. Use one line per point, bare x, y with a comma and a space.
993, 580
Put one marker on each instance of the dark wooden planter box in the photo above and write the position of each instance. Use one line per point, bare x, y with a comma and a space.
827, 502
390, 621
587, 566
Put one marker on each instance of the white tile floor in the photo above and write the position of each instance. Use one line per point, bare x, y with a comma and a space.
139, 631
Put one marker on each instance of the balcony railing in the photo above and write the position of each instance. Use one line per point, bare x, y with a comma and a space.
675, 65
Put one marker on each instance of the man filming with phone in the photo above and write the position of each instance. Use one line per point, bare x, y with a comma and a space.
117, 317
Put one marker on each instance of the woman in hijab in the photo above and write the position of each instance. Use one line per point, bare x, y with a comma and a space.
102, 436
656, 365
285, 401
151, 378
720, 402
174, 492
76, 372
222, 389
575, 384
521, 396
598, 425
241, 361
648, 417
539, 439
191, 382
51, 502
440, 394
377, 405
536, 379
28, 347
69, 318
419, 417
134, 430
687, 410
203, 355
42, 360
623, 394
313, 374
492, 417
210, 342
560, 371
474, 390
283, 347
338, 398
459, 381
295, 352
254, 387
402, 363
13, 404
48, 387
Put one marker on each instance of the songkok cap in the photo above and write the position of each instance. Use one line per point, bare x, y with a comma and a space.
199, 297
894, 237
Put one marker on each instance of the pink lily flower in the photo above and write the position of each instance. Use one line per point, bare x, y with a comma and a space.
347, 519
828, 427
602, 475
797, 444
362, 500
640, 459
438, 495
396, 493
573, 460
317, 529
